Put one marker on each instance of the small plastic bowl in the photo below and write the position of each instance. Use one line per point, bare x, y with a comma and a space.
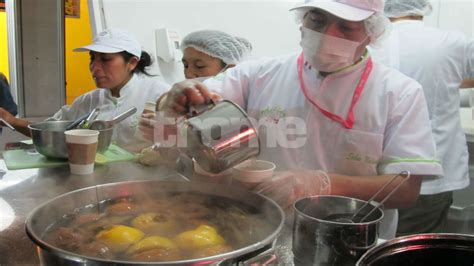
250, 173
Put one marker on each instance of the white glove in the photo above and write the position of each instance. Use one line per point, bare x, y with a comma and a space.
287, 187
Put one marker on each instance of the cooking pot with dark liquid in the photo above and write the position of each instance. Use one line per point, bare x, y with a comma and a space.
422, 250
327, 233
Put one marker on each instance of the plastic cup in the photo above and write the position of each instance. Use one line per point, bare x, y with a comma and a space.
251, 173
82, 148
150, 107
141, 142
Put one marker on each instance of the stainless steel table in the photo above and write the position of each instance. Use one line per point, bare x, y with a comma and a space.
22, 190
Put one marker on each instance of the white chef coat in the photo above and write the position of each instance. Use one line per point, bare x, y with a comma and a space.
439, 61
391, 132
138, 90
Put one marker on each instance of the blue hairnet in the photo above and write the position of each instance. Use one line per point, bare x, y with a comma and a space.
218, 44
403, 8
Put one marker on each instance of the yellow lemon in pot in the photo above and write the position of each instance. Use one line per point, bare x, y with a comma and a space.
120, 237
202, 237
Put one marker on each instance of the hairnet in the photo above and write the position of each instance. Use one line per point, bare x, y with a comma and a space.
376, 26
218, 44
402, 8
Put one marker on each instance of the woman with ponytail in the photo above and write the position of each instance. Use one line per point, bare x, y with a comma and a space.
119, 69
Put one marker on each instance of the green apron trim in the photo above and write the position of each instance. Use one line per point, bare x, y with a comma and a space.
412, 160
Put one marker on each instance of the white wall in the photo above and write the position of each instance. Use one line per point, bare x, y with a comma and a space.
266, 23
454, 15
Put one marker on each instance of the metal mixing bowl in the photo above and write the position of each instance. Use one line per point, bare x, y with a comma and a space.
49, 139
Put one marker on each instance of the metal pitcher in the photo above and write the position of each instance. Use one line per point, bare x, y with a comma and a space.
218, 136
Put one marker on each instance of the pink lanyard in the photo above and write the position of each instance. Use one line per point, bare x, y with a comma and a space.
349, 122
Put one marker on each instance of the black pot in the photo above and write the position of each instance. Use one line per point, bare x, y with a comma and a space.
323, 233
421, 250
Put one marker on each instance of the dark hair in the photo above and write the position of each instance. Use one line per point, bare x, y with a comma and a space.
3, 78
145, 61
222, 63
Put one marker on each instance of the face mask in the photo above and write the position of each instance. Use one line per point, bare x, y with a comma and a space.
327, 53
202, 79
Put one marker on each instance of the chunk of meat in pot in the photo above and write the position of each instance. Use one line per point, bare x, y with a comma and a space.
96, 249
86, 218
71, 238
123, 208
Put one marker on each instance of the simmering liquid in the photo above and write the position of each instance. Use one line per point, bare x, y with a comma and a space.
343, 218
159, 228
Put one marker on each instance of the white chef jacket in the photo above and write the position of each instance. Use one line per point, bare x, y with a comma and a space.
439, 61
391, 132
138, 90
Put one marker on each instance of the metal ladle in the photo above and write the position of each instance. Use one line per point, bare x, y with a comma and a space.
102, 124
377, 205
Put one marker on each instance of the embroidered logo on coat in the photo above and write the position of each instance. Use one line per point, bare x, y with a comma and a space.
273, 114
352, 156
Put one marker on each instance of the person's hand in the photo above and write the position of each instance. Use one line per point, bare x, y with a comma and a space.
287, 187
184, 94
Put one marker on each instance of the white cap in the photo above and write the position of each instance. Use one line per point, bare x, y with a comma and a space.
352, 10
113, 41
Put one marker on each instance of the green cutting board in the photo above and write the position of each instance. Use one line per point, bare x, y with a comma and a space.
114, 154
24, 159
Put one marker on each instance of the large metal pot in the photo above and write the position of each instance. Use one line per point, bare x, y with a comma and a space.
422, 250
325, 234
52, 211
49, 139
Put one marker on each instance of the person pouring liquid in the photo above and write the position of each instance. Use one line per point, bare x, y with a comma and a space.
206, 54
118, 67
333, 120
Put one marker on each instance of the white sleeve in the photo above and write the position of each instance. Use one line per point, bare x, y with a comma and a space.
409, 124
159, 87
80, 106
233, 84
470, 59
